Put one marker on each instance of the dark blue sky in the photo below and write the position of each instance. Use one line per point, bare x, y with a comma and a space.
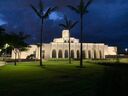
106, 21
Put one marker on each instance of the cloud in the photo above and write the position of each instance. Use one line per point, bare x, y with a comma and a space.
55, 16
2, 22
106, 20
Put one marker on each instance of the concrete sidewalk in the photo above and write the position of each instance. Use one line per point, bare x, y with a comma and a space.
2, 63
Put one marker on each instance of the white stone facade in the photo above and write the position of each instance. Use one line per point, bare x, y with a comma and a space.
59, 48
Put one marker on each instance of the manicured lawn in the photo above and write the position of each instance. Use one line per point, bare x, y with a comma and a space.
58, 78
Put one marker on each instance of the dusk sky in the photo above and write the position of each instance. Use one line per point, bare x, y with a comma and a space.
106, 21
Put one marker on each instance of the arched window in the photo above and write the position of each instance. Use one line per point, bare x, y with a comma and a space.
54, 54
72, 41
60, 54
89, 54
66, 54
95, 55
78, 54
72, 54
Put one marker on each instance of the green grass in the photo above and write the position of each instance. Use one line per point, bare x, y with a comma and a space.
58, 78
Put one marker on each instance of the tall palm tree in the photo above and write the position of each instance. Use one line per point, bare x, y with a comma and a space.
68, 25
42, 14
81, 9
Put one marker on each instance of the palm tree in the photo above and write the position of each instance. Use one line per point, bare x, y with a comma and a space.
42, 15
81, 9
68, 25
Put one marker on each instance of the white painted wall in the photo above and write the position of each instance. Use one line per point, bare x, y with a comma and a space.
59, 44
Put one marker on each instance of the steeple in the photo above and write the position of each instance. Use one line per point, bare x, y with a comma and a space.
65, 34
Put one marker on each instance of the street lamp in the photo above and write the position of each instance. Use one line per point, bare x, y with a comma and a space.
126, 50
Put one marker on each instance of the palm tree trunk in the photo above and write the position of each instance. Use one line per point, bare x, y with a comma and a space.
81, 41
41, 41
69, 49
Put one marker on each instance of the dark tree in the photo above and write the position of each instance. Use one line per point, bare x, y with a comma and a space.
81, 9
17, 42
68, 25
2, 37
42, 14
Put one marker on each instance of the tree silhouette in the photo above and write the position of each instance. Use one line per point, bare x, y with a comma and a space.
2, 37
17, 42
42, 14
81, 9
68, 25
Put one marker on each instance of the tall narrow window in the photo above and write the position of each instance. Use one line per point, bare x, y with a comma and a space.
66, 53
60, 54
78, 54
72, 54
89, 54
54, 54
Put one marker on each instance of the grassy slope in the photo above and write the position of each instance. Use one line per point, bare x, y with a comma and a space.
58, 78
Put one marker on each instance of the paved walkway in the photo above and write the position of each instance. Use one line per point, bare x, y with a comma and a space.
2, 63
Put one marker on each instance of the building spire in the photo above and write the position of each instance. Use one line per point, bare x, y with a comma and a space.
65, 34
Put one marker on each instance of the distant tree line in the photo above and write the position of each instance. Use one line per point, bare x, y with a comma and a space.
15, 41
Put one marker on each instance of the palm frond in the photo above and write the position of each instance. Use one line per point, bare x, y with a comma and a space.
66, 20
73, 24
81, 4
54, 9
88, 3
41, 5
36, 11
86, 6
85, 10
73, 8
81, 7
69, 24
49, 11
63, 26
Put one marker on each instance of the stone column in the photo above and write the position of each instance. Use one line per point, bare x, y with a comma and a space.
57, 54
75, 53
63, 54
51, 54
86, 53
92, 54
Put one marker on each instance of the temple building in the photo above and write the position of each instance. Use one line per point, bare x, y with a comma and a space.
59, 48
